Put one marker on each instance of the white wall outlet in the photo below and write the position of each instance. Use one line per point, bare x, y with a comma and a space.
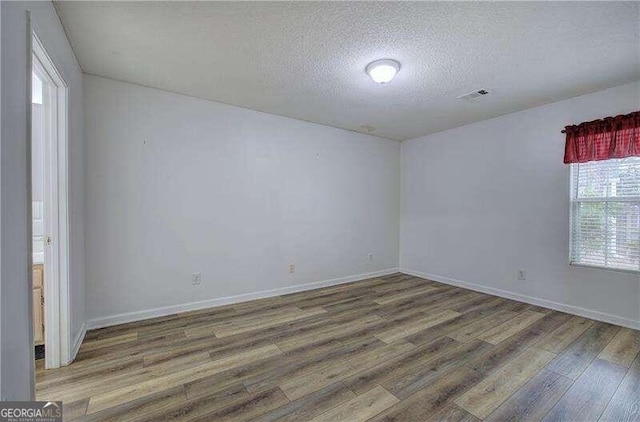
521, 275
370, 257
196, 279
292, 268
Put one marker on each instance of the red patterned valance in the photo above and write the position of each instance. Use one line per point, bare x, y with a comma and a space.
612, 137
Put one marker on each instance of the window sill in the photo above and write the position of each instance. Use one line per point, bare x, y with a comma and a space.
596, 267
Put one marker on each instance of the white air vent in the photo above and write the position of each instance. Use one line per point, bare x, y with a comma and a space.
473, 95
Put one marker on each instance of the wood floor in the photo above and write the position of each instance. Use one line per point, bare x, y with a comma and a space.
396, 348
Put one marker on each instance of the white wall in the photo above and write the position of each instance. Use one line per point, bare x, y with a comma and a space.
483, 200
16, 368
177, 185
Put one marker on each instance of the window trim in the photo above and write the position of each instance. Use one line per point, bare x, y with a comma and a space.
572, 169
601, 268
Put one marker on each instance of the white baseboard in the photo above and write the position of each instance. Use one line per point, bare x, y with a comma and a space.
212, 303
77, 342
557, 306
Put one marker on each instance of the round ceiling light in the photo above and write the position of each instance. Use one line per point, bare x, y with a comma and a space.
382, 71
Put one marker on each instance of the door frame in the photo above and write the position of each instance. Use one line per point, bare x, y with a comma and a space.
57, 338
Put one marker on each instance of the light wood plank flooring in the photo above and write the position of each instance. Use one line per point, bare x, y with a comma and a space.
395, 348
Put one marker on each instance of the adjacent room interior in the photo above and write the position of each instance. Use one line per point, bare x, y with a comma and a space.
321, 211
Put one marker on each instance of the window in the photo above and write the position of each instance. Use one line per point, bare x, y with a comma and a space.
605, 214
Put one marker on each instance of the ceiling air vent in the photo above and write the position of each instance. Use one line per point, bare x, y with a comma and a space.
473, 95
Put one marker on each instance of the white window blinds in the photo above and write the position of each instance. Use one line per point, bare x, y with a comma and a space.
605, 214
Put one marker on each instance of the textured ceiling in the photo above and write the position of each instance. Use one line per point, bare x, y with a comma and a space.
306, 60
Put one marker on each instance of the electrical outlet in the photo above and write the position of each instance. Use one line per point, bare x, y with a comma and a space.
292, 268
196, 279
370, 257
521, 275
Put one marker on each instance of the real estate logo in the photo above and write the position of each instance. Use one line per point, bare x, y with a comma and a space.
31, 411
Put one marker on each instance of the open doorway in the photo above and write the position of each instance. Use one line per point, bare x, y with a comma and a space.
49, 95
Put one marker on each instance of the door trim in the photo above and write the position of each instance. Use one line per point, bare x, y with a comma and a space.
56, 280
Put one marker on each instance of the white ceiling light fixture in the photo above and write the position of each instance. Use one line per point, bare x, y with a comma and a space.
382, 71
